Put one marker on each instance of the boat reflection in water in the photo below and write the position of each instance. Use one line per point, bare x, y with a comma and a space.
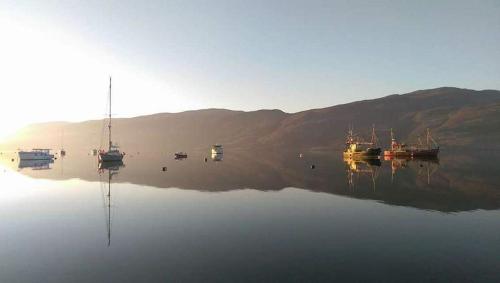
111, 168
427, 165
42, 164
357, 167
217, 156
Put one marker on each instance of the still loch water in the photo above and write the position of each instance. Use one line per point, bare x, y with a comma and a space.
251, 218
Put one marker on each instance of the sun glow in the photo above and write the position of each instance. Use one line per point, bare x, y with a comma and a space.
49, 74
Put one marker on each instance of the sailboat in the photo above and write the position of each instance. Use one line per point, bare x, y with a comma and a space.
113, 153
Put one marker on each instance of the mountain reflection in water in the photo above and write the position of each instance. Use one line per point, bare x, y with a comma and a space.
456, 182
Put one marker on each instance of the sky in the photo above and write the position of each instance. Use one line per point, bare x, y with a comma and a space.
169, 56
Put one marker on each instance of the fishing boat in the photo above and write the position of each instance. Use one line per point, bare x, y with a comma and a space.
431, 149
217, 149
113, 153
397, 149
357, 148
36, 154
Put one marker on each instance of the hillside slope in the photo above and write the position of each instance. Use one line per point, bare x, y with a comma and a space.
457, 117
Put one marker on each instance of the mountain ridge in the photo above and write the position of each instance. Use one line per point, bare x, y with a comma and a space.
456, 116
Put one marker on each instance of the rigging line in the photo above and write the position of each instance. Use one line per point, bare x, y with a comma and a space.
103, 128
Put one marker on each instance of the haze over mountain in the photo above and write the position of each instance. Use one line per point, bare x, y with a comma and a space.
457, 117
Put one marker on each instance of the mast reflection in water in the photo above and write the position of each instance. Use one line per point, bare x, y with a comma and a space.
108, 169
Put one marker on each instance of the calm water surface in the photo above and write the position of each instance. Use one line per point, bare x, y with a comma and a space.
250, 218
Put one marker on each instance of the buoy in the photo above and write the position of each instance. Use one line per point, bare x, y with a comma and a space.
164, 169
313, 166
301, 155
206, 159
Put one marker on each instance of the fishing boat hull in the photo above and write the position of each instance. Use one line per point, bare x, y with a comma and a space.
426, 152
397, 153
367, 153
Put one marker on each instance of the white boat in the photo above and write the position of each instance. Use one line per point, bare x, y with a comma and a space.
36, 154
41, 164
217, 156
113, 153
217, 149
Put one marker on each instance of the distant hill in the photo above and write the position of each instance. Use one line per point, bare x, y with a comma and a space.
456, 117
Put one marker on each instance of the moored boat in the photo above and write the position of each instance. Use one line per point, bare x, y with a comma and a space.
113, 153
180, 155
217, 149
402, 150
36, 154
356, 148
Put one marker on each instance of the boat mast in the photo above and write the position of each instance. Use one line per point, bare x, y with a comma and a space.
374, 136
428, 137
109, 125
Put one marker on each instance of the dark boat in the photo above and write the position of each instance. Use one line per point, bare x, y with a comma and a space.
402, 150
180, 155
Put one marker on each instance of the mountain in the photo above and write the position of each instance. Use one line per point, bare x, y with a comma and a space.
456, 117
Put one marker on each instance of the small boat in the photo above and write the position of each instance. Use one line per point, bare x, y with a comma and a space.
356, 148
217, 157
217, 149
180, 155
113, 153
36, 154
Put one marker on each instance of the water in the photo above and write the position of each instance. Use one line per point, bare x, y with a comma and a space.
251, 218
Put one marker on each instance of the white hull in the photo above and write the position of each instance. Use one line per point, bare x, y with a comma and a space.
29, 155
217, 149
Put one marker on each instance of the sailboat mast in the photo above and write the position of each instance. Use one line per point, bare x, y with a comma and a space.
109, 125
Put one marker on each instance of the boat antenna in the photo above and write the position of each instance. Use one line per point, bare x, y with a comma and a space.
109, 124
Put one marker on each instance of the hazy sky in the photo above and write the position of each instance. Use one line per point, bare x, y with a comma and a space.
169, 56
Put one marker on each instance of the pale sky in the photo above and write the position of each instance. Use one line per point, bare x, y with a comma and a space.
170, 56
